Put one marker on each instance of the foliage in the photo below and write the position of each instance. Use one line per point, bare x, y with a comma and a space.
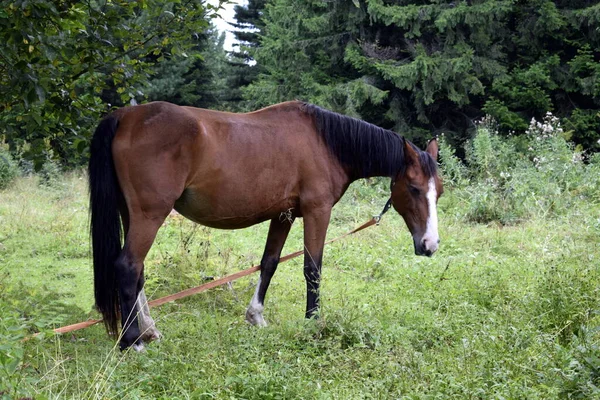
11, 353
248, 27
24, 311
197, 79
50, 174
8, 167
419, 66
62, 62
243, 69
511, 179
302, 56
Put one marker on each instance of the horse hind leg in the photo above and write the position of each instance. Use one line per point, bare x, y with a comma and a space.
135, 317
147, 325
278, 232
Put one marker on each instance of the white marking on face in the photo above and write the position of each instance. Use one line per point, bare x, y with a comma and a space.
431, 237
255, 309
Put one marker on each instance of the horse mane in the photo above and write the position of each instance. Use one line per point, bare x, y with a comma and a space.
366, 149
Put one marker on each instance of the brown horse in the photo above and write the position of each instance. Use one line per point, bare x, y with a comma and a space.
231, 171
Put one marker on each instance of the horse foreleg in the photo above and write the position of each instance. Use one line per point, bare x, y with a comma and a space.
278, 232
315, 230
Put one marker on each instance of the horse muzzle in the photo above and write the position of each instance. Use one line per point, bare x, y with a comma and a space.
426, 246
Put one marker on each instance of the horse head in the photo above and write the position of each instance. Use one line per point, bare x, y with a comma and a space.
415, 192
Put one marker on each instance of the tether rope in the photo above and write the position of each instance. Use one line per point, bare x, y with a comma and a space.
218, 282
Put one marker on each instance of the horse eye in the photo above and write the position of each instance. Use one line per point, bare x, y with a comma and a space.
414, 190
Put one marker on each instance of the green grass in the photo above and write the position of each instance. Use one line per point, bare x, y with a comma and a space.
500, 312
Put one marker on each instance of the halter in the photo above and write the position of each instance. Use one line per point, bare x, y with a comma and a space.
387, 206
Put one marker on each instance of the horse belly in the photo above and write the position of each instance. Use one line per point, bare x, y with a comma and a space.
223, 214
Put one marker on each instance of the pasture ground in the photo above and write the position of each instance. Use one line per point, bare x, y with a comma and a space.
500, 312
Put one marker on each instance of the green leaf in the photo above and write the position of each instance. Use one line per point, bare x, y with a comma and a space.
37, 118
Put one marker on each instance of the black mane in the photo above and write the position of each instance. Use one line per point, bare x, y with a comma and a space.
366, 149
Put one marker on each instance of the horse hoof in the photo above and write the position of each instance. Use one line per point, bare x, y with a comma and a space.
151, 335
255, 318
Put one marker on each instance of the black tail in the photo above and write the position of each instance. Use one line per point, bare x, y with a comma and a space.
105, 224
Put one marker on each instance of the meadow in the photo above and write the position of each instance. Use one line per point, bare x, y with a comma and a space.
507, 309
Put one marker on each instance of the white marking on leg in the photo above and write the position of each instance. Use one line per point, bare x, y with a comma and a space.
431, 237
255, 309
146, 323
139, 347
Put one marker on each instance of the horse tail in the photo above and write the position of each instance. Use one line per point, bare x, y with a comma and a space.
105, 225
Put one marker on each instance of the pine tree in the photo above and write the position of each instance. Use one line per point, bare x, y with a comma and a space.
196, 78
302, 56
424, 67
248, 28
243, 68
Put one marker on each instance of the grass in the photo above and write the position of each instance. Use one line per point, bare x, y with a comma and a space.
499, 312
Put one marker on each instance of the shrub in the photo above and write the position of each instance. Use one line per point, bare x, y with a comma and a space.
488, 155
509, 179
8, 167
454, 172
50, 174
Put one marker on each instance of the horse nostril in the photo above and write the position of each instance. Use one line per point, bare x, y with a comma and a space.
429, 246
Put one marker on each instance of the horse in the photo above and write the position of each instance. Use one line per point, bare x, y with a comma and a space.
230, 171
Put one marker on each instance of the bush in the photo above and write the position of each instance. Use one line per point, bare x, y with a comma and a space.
509, 179
50, 174
8, 167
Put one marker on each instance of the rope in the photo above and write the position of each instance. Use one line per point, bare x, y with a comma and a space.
212, 284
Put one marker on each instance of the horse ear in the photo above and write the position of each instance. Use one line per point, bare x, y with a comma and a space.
433, 148
410, 154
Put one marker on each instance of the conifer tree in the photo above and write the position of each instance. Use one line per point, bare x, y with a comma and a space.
243, 69
302, 56
197, 78
423, 67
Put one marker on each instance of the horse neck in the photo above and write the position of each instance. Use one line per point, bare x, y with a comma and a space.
378, 157
364, 150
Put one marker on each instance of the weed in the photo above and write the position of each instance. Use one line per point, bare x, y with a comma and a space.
513, 179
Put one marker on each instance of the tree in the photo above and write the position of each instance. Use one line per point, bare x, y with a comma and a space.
60, 59
302, 56
197, 78
243, 70
423, 67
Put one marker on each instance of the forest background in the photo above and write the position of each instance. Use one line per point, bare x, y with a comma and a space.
420, 68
